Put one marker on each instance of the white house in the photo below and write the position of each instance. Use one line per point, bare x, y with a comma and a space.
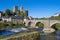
1, 13
56, 14
14, 19
8, 19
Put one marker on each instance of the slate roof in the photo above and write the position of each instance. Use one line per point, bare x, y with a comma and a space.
13, 17
5, 17
16, 17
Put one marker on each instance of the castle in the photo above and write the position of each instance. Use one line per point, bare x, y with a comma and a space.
15, 18
25, 12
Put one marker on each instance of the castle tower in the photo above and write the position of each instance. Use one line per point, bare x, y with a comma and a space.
21, 9
15, 9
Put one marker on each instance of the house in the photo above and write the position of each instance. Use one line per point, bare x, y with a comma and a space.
16, 19
1, 14
56, 15
7, 19
13, 19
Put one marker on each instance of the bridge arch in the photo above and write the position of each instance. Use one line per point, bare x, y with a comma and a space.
29, 23
47, 23
24, 23
55, 25
39, 24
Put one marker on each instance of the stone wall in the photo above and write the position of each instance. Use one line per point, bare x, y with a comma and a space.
28, 36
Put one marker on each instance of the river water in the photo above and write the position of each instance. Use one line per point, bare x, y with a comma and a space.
43, 36
51, 36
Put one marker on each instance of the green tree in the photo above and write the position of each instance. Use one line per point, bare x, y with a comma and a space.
10, 24
13, 14
43, 18
1, 25
7, 12
18, 13
17, 25
4, 21
5, 24
41, 25
59, 15
21, 24
22, 14
57, 25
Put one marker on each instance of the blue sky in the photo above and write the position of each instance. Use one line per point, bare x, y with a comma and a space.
36, 8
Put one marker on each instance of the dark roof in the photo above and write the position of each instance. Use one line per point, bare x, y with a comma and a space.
26, 17
5, 17
16, 17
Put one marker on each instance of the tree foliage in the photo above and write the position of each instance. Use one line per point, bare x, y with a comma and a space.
57, 25
8, 12
55, 18
17, 25
41, 25
1, 25
10, 24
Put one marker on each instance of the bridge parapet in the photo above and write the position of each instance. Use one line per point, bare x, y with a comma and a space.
47, 23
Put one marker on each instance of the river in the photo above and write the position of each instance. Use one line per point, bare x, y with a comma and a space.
43, 36
51, 36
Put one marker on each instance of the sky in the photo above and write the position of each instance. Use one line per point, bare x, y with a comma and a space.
36, 8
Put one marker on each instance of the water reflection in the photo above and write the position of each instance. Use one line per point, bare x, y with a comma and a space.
48, 37
51, 36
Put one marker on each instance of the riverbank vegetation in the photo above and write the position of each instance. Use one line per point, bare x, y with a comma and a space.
57, 25
51, 18
35, 35
5, 25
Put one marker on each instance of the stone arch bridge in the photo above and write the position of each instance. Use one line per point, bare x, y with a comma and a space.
47, 23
